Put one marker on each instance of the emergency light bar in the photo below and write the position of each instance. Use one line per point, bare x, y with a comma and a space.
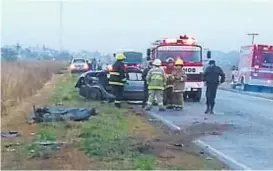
183, 40
178, 48
169, 41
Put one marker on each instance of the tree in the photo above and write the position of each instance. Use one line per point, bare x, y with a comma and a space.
9, 54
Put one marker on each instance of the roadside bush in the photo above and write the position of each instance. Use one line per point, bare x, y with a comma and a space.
22, 79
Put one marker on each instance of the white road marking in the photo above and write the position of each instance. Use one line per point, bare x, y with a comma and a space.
219, 113
167, 122
219, 153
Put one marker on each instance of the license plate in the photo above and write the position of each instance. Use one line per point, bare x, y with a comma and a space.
194, 89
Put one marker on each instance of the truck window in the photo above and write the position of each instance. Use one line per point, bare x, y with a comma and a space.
133, 57
190, 54
267, 60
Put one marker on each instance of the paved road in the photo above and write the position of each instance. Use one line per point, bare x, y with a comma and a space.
248, 143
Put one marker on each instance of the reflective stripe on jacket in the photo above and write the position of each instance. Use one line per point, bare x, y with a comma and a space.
180, 77
156, 79
117, 76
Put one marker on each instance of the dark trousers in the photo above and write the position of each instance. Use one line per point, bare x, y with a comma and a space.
118, 93
211, 94
146, 95
169, 96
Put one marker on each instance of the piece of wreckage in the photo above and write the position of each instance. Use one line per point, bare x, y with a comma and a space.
94, 85
57, 114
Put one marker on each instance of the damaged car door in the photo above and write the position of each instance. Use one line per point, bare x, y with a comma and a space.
134, 89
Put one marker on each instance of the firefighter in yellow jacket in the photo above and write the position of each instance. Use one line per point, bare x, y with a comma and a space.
168, 92
118, 79
156, 81
179, 78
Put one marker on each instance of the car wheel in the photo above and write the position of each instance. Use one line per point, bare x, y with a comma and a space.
94, 94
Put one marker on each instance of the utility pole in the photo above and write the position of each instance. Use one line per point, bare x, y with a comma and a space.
61, 26
253, 36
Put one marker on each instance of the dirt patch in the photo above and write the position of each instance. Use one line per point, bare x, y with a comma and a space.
175, 150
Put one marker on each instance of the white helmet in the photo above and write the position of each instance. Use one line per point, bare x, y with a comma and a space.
157, 62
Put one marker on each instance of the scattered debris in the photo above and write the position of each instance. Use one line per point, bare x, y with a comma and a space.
11, 145
10, 134
215, 133
45, 143
10, 149
50, 114
196, 122
152, 120
208, 158
179, 145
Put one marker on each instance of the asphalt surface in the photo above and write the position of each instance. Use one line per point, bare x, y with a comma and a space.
247, 144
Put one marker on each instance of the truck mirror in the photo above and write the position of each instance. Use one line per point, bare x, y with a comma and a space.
148, 54
209, 54
114, 55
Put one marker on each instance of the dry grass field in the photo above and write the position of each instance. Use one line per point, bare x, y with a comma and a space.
22, 79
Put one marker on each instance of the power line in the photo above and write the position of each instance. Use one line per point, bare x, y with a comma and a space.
253, 36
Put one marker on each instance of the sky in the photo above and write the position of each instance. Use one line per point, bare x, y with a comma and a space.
108, 25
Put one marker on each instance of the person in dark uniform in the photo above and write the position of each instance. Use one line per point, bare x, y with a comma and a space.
146, 91
118, 78
211, 79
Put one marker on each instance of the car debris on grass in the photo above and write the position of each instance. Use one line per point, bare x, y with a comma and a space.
51, 114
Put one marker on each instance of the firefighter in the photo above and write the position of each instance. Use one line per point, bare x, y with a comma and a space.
169, 84
211, 79
179, 78
144, 75
118, 79
156, 81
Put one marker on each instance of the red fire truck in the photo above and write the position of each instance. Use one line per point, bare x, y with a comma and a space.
255, 69
187, 49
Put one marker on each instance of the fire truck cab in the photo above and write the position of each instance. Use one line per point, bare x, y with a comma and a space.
255, 69
187, 49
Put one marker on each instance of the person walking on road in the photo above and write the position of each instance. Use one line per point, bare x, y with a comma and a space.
156, 81
179, 78
118, 79
211, 79
144, 75
168, 92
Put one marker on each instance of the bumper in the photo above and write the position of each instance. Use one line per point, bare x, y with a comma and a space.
260, 82
193, 86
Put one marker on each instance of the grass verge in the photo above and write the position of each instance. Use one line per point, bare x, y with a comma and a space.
113, 139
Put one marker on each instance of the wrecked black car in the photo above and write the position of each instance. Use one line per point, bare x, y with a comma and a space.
94, 85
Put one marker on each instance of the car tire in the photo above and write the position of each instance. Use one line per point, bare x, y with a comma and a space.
94, 94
